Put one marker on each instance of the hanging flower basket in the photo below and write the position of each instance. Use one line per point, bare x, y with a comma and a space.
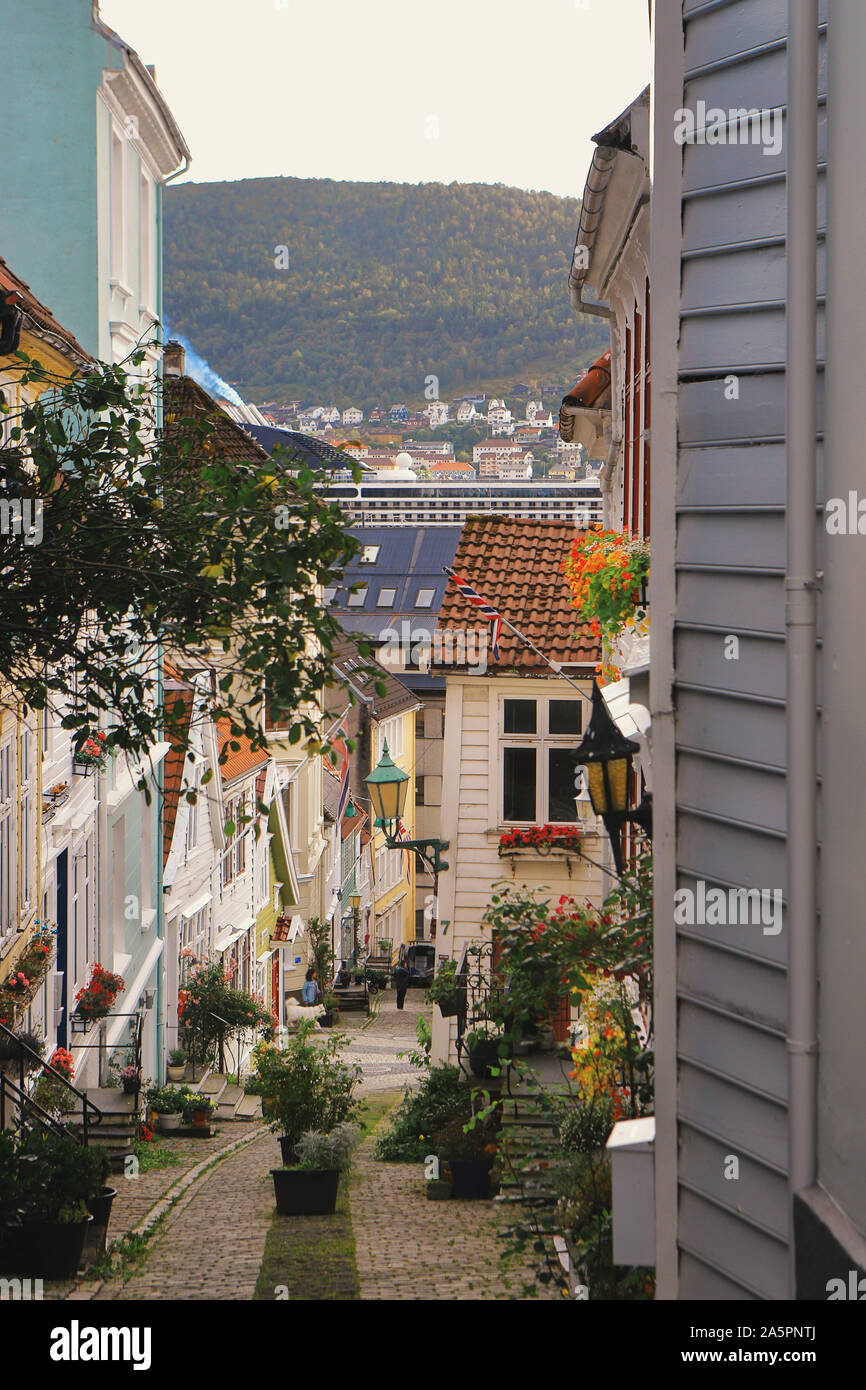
607, 572
96, 999
92, 755
540, 839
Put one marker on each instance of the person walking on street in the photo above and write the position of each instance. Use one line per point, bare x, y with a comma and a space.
401, 981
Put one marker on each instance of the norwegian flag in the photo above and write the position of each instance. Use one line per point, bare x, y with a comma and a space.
402, 834
339, 746
472, 596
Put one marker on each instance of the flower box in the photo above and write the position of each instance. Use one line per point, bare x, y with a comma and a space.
540, 839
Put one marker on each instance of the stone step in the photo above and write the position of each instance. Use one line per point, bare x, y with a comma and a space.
212, 1086
250, 1108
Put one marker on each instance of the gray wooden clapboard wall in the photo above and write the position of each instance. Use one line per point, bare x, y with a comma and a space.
730, 713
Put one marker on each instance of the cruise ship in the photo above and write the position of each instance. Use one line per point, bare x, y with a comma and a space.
406, 503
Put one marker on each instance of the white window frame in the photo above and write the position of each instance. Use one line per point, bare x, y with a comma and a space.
542, 741
117, 204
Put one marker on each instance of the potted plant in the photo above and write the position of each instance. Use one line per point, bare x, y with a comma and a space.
50, 1179
91, 754
176, 1069
49, 1092
196, 1108
447, 991
96, 998
167, 1103
304, 1086
469, 1154
309, 1186
331, 1012
484, 1052
130, 1078
17, 1051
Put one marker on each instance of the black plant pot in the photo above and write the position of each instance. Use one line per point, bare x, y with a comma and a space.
484, 1055
326, 1019
452, 1005
288, 1152
470, 1178
44, 1249
100, 1207
131, 1088
306, 1191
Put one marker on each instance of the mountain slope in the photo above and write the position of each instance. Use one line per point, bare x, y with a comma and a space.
386, 284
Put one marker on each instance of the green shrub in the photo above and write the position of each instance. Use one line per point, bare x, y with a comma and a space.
442, 1096
586, 1128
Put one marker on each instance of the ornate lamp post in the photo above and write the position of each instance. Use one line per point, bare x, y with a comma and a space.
607, 755
388, 786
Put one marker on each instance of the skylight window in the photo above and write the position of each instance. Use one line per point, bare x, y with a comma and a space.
370, 554
425, 598
386, 598
358, 599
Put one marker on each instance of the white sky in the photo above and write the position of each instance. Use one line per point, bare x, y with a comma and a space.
346, 89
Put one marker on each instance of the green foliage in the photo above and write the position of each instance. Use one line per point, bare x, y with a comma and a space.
442, 1096
323, 954
584, 1215
165, 1100
166, 547
586, 1128
455, 1140
445, 987
154, 1155
211, 1007
53, 1177
306, 1085
333, 1150
465, 281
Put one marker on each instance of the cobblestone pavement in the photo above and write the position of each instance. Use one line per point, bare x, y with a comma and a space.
407, 1247
136, 1196
375, 1043
210, 1245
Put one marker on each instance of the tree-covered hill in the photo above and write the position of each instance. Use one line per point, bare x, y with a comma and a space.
386, 284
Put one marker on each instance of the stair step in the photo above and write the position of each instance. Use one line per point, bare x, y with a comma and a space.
250, 1108
212, 1086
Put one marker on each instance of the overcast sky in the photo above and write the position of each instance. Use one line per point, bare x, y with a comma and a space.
491, 91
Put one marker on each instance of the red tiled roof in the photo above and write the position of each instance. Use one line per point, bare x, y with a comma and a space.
239, 761
516, 566
42, 317
352, 823
173, 769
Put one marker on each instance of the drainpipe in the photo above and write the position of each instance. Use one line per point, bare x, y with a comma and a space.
801, 599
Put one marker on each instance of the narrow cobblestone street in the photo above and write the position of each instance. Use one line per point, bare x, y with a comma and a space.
212, 1213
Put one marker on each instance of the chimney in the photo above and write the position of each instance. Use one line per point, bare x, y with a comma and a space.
174, 359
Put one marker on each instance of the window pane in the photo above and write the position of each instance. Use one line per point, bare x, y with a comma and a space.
386, 598
564, 716
425, 598
520, 716
562, 767
518, 777
357, 600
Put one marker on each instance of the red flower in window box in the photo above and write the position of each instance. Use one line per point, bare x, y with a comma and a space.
96, 998
542, 838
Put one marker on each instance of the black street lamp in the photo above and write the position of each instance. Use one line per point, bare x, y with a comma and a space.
607, 755
388, 785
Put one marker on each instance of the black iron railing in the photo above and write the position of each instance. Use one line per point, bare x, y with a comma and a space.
20, 1098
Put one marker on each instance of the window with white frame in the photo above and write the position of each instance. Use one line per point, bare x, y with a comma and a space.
27, 794
234, 859
118, 206
146, 214
82, 914
8, 887
192, 813
538, 740
390, 732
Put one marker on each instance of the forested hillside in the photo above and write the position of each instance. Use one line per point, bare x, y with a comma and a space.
385, 285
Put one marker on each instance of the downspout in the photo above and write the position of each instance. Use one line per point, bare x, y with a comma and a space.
801, 599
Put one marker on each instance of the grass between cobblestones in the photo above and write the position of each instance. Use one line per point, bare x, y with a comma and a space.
312, 1258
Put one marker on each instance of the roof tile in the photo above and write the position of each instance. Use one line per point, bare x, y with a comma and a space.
516, 565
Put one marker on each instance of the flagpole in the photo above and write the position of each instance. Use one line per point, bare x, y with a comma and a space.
554, 666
